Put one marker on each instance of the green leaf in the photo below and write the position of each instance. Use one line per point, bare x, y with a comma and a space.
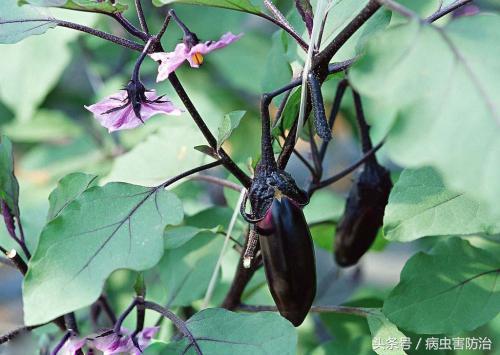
144, 165
324, 206
207, 150
278, 71
341, 13
238, 5
19, 65
19, 22
358, 346
382, 329
420, 205
290, 114
452, 288
227, 125
185, 271
9, 187
219, 331
449, 115
68, 188
45, 126
106, 6
104, 229
176, 237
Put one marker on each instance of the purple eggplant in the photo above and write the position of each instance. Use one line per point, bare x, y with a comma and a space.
289, 262
364, 214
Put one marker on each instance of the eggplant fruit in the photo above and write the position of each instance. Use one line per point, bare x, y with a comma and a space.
364, 214
289, 262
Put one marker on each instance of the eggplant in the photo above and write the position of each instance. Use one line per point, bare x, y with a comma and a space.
364, 214
288, 255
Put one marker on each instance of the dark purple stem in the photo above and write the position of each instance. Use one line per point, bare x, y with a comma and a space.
446, 10
228, 163
61, 343
179, 323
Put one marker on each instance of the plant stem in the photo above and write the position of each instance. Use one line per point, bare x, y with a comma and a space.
121, 318
138, 63
104, 35
446, 10
16, 332
179, 323
305, 162
292, 33
316, 309
339, 94
16, 259
61, 343
267, 159
240, 280
287, 150
189, 172
400, 9
103, 301
346, 171
218, 181
322, 59
283, 22
140, 15
364, 128
228, 163
134, 31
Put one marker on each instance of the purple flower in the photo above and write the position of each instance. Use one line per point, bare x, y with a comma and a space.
130, 107
72, 346
112, 343
189, 50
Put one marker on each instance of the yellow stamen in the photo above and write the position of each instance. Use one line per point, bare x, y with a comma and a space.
197, 58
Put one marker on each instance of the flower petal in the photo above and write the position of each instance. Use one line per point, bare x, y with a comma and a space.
170, 61
124, 117
72, 346
209, 46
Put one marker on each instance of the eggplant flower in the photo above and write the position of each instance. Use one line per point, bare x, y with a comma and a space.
118, 344
131, 107
110, 343
191, 50
72, 346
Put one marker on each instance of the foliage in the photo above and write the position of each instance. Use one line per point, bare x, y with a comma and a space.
89, 213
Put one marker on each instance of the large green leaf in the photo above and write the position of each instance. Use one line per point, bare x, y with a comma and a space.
238, 5
339, 346
445, 84
106, 6
68, 188
341, 13
45, 126
30, 59
9, 187
185, 271
453, 288
104, 229
162, 155
219, 331
420, 205
384, 333
18, 22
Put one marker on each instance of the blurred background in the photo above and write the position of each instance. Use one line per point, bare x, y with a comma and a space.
45, 81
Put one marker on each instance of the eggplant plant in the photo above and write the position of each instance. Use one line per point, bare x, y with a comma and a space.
201, 160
